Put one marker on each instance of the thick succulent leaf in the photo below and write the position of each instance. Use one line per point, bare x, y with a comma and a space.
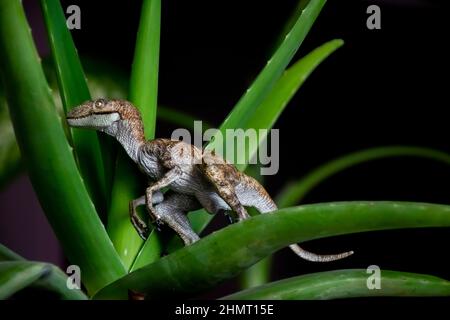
266, 79
351, 283
268, 112
90, 151
128, 181
225, 253
144, 73
48, 156
7, 254
15, 276
294, 192
18, 275
10, 163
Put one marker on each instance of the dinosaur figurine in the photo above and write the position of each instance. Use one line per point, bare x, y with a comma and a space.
195, 178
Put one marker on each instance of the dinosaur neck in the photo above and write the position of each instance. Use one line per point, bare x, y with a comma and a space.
130, 135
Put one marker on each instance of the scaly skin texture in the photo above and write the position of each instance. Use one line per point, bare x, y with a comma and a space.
196, 179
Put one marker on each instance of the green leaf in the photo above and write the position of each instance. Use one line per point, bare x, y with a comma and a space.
128, 182
301, 4
18, 275
150, 252
257, 274
48, 156
10, 164
144, 73
73, 89
284, 90
7, 255
294, 192
224, 254
347, 284
15, 276
266, 79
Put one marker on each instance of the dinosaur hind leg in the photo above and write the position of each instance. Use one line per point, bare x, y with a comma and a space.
225, 189
172, 212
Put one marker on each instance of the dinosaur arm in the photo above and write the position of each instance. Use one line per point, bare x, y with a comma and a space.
169, 177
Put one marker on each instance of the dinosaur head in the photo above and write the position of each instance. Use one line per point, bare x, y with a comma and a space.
106, 115
98, 114
118, 118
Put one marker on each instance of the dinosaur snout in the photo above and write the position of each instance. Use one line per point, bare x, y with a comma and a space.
81, 111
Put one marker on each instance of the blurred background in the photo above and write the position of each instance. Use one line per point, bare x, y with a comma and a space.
383, 87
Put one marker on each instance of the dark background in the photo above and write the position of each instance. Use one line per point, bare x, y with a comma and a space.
384, 87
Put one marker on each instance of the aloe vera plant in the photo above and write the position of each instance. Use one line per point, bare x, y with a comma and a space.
93, 180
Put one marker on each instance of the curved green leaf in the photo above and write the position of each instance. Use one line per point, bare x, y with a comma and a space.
296, 12
150, 252
294, 192
15, 276
129, 184
144, 73
129, 181
7, 254
268, 112
257, 274
347, 284
266, 79
225, 253
10, 163
48, 156
18, 275
90, 151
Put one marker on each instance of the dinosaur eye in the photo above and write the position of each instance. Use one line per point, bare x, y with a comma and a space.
99, 103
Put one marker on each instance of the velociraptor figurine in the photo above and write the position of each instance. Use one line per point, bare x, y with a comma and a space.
195, 178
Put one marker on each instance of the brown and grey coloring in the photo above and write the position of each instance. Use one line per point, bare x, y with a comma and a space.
195, 178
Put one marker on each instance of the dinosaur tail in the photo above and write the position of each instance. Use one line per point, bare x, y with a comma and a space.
265, 204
